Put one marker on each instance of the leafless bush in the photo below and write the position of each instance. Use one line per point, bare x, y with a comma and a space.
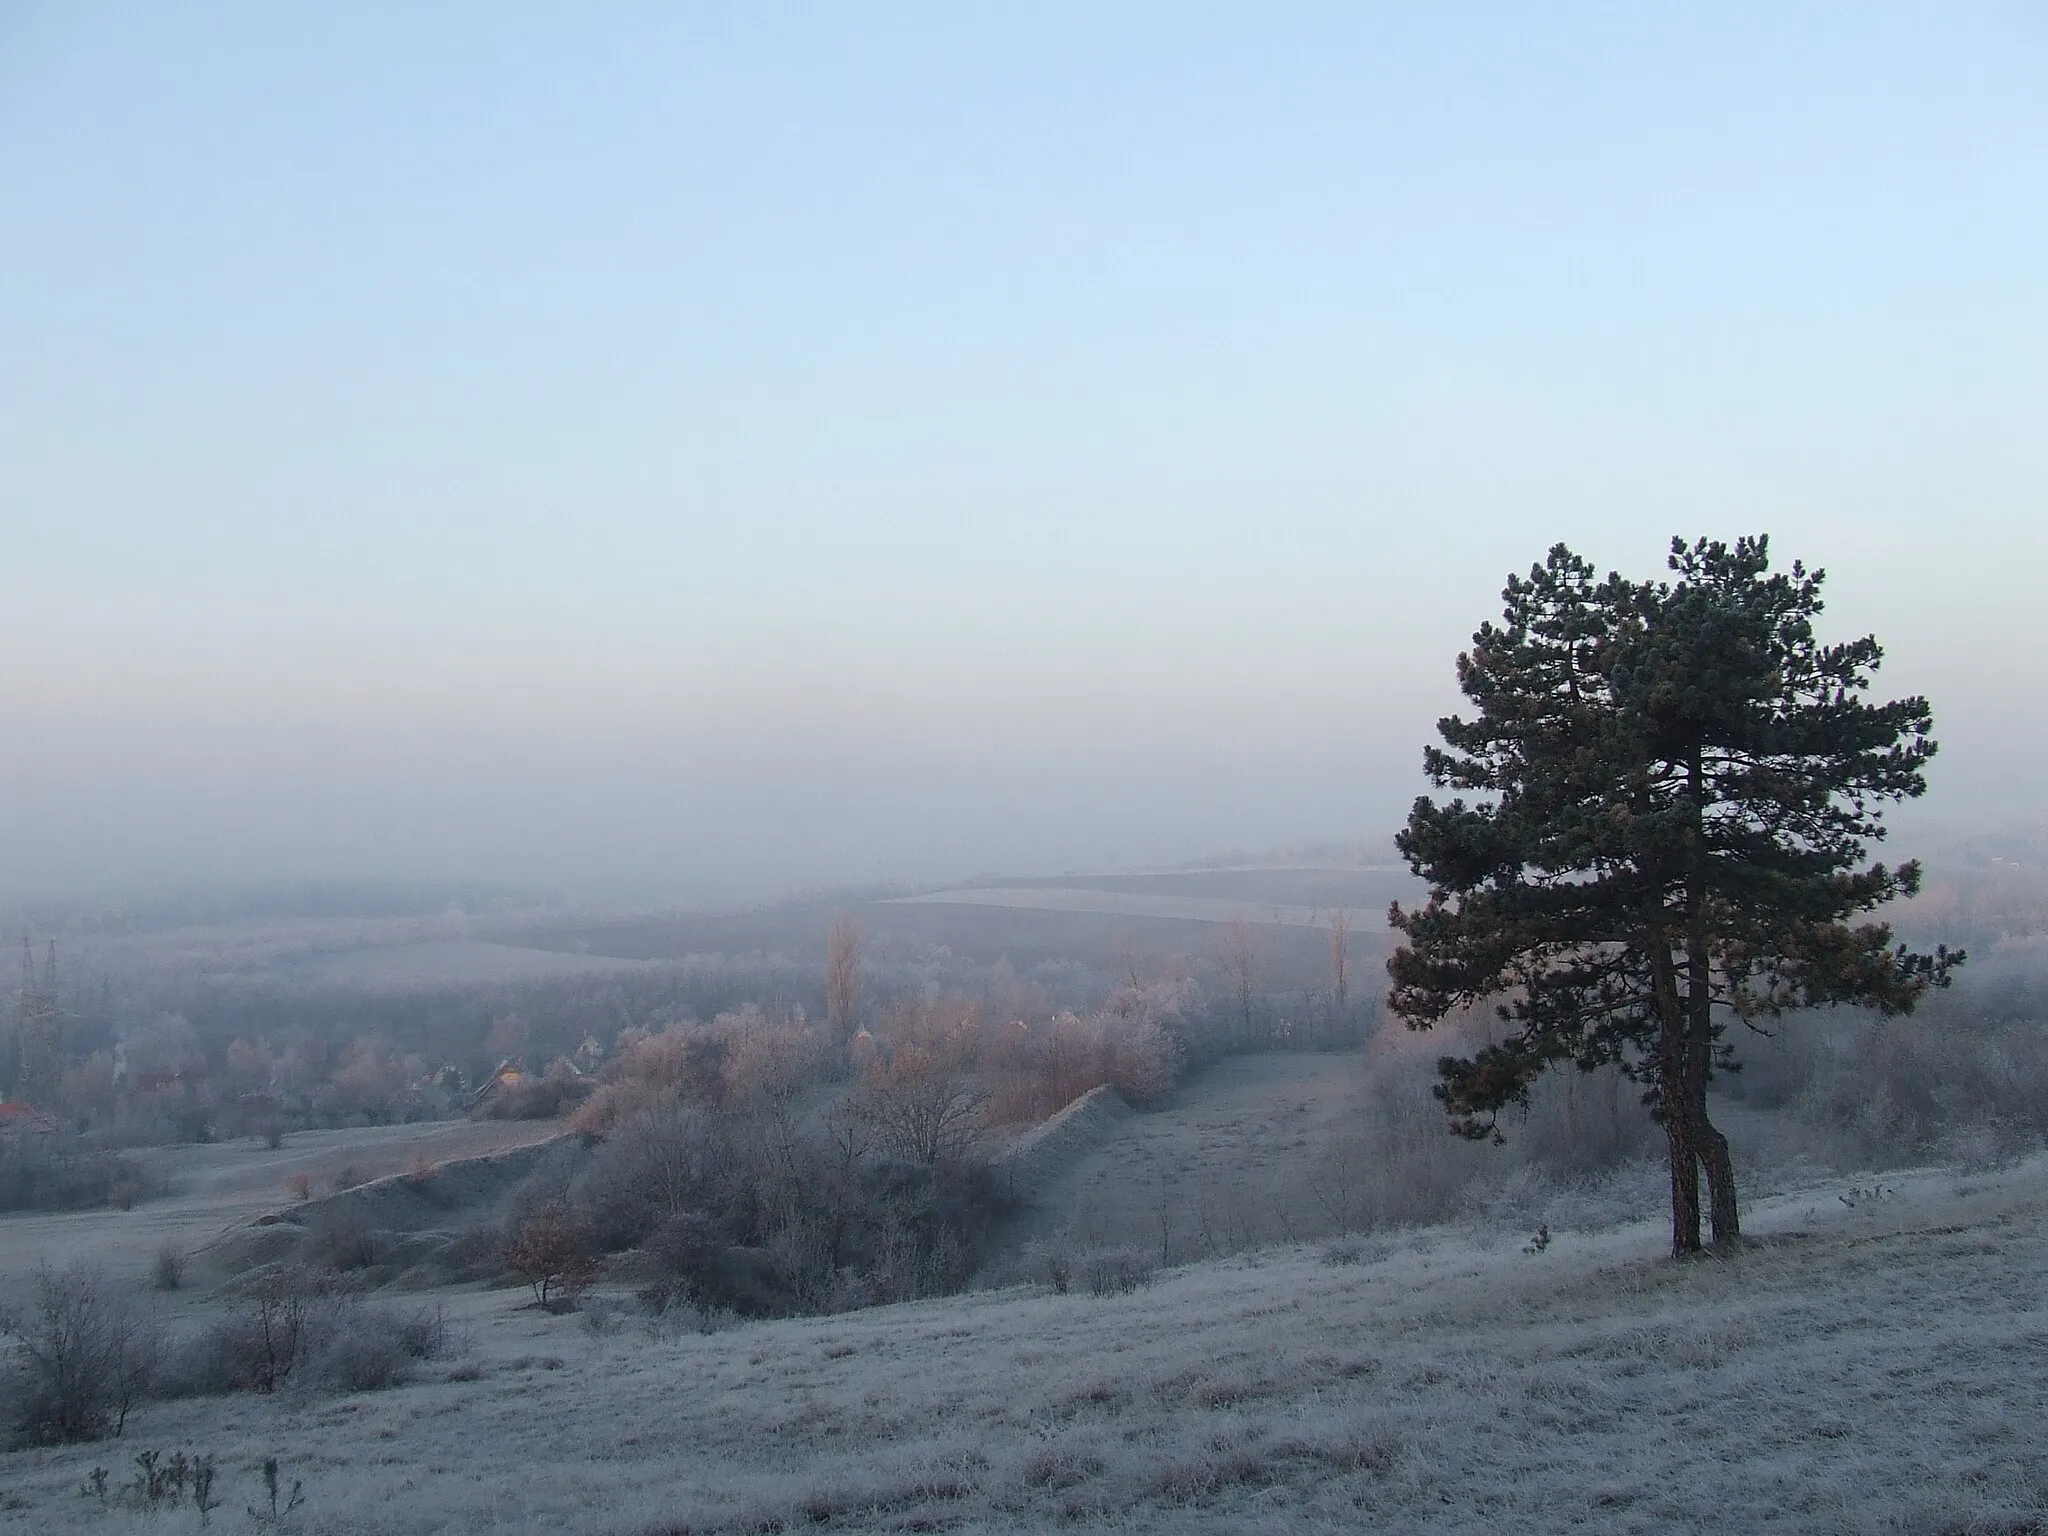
278, 1503
1353, 1248
921, 1099
1940, 1082
367, 1346
167, 1270
300, 1329
259, 1346
211, 1361
1050, 1262
1117, 1271
343, 1239
284, 1305
1398, 1165
83, 1355
161, 1482
1579, 1124
358, 1350
423, 1331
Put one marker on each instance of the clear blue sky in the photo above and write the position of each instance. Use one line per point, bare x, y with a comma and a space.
712, 446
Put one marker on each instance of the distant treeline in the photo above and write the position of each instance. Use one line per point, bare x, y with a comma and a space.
182, 1056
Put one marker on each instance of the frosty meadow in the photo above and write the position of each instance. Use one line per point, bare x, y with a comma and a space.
843, 1228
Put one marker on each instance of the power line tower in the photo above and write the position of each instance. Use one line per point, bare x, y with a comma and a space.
41, 1027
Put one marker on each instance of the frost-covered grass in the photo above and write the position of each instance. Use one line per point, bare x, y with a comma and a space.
1876, 1360
219, 1185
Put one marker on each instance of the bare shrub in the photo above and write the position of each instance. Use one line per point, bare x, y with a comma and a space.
278, 1504
211, 1361
1398, 1166
1585, 1123
650, 1170
1351, 1248
288, 1316
921, 1099
1117, 1271
300, 1329
83, 1355
1951, 1082
162, 1481
423, 1331
300, 1185
1050, 1262
685, 1250
368, 1346
602, 1317
167, 1269
284, 1304
358, 1349
342, 1239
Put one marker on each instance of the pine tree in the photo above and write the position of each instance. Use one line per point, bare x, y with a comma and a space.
1675, 785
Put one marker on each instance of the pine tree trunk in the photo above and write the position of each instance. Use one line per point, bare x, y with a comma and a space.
1709, 1144
1674, 1104
1712, 1148
1685, 1182
1680, 1128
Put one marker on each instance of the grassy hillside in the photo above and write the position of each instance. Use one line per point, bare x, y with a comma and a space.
1877, 1360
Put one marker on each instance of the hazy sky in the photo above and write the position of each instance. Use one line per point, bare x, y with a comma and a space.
718, 446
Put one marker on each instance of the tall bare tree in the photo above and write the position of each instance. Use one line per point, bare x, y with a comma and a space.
1238, 947
1340, 957
842, 971
921, 1100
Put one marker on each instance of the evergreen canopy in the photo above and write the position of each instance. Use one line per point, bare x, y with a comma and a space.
1675, 784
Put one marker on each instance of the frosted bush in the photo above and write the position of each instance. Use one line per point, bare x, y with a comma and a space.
1116, 1271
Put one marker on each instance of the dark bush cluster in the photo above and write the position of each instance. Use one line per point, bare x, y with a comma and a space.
1959, 1078
35, 1176
768, 1207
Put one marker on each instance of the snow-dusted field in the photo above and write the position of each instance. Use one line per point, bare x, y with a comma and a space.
1877, 1360
224, 1184
1100, 903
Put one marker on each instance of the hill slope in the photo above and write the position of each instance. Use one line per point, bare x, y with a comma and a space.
1876, 1360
